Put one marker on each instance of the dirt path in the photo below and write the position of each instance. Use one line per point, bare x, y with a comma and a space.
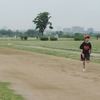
43, 77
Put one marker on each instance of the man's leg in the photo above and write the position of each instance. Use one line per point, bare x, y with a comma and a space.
83, 64
83, 59
88, 58
84, 69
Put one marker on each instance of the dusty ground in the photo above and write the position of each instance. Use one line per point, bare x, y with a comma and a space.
43, 77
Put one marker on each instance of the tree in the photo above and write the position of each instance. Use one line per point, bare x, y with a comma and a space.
78, 37
31, 33
41, 21
23, 37
9, 33
18, 33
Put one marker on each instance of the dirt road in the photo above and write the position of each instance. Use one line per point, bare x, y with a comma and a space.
43, 77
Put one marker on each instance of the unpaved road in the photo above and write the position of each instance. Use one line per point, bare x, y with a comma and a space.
44, 77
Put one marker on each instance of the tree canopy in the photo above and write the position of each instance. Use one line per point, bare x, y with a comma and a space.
42, 21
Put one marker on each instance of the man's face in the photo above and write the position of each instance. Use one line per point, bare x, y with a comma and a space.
87, 40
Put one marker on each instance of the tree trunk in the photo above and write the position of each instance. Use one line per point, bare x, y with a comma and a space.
42, 34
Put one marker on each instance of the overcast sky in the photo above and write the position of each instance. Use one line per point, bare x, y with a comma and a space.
18, 14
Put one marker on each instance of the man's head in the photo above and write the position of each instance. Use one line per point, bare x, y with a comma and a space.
86, 38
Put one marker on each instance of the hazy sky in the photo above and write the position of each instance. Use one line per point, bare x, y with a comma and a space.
18, 14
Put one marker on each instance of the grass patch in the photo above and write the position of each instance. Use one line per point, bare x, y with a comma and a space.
8, 94
60, 45
54, 52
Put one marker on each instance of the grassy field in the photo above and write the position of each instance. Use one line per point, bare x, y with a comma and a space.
65, 44
61, 48
68, 45
8, 94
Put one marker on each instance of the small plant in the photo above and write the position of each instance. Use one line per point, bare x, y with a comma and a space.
53, 39
23, 37
44, 38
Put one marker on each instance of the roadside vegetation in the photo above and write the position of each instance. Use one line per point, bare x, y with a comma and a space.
8, 94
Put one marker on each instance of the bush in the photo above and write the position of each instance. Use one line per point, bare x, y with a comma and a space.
23, 37
78, 37
44, 38
53, 38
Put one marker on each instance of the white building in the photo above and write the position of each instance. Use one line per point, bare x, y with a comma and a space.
77, 29
64, 30
90, 30
69, 30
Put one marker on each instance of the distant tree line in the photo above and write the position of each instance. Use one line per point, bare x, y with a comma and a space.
11, 33
34, 33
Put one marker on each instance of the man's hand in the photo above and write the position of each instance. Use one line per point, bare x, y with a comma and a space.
89, 51
82, 55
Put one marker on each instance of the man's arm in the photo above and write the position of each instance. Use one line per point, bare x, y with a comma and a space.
82, 53
81, 47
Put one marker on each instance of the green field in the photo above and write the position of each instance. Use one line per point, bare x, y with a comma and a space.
67, 48
8, 94
63, 48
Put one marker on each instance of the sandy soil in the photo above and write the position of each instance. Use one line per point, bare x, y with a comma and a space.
43, 77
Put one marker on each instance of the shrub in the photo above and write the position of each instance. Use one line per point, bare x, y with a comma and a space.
53, 38
23, 37
78, 37
44, 38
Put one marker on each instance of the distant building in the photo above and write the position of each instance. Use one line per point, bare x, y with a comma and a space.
77, 29
69, 30
90, 30
47, 32
64, 30
59, 28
